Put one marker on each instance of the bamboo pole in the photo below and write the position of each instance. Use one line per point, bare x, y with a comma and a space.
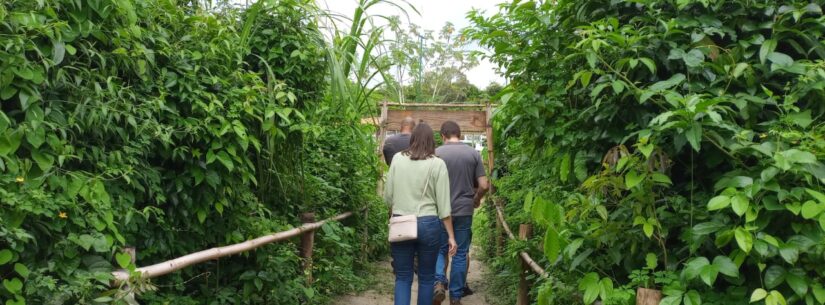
179, 263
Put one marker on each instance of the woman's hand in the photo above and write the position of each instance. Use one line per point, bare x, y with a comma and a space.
453, 246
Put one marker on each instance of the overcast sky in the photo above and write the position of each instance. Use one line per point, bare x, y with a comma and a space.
434, 14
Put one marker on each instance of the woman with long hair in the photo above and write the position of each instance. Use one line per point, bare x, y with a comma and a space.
418, 184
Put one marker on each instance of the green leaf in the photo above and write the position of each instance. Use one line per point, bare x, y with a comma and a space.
669, 83
201, 216
797, 283
647, 228
811, 209
822, 221
767, 48
226, 160
528, 202
774, 276
758, 295
694, 58
777, 298
44, 161
651, 261
618, 86
6, 93
14, 285
646, 150
817, 195
693, 298
739, 69
818, 292
58, 52
585, 78
708, 274
740, 204
22, 270
651, 66
633, 178
726, 266
744, 239
718, 203
779, 60
694, 267
661, 178
694, 135
645, 96
564, 170
671, 300
590, 285
5, 256
706, 228
552, 245
803, 119
605, 288
10, 142
124, 259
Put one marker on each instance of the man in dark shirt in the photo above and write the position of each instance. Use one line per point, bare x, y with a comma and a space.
468, 184
399, 142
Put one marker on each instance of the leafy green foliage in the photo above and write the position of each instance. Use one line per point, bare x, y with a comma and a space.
172, 128
697, 127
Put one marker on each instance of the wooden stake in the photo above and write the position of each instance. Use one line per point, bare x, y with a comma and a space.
307, 242
524, 232
646, 296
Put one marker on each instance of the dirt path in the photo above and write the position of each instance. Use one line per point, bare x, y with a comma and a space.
382, 291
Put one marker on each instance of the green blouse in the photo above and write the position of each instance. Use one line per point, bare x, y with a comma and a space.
405, 186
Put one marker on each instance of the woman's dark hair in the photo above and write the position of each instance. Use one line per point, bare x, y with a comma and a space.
422, 143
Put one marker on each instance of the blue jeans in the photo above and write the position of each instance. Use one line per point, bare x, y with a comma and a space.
403, 256
463, 230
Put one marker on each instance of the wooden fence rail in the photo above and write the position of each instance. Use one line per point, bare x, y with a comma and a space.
527, 263
156, 270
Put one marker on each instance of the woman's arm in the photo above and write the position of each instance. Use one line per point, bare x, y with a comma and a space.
388, 188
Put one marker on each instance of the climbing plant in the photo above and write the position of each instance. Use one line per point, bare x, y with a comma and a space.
674, 145
172, 128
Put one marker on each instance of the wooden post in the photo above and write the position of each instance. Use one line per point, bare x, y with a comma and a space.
499, 234
307, 241
646, 296
129, 297
366, 237
524, 232
382, 135
490, 147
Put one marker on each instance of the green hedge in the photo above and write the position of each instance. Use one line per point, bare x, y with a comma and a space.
171, 128
671, 144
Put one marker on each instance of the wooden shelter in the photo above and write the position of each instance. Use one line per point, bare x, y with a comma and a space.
471, 118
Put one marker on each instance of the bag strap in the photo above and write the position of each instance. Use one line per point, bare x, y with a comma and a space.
426, 184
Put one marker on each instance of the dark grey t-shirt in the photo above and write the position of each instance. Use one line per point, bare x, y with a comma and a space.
395, 144
464, 166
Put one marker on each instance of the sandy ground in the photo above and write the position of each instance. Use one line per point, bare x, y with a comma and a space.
382, 291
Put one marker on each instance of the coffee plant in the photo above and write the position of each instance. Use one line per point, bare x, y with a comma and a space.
172, 128
675, 145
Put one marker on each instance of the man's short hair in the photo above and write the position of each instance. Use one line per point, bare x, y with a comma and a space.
450, 129
408, 122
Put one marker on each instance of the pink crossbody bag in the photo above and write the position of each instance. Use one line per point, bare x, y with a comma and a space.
405, 227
